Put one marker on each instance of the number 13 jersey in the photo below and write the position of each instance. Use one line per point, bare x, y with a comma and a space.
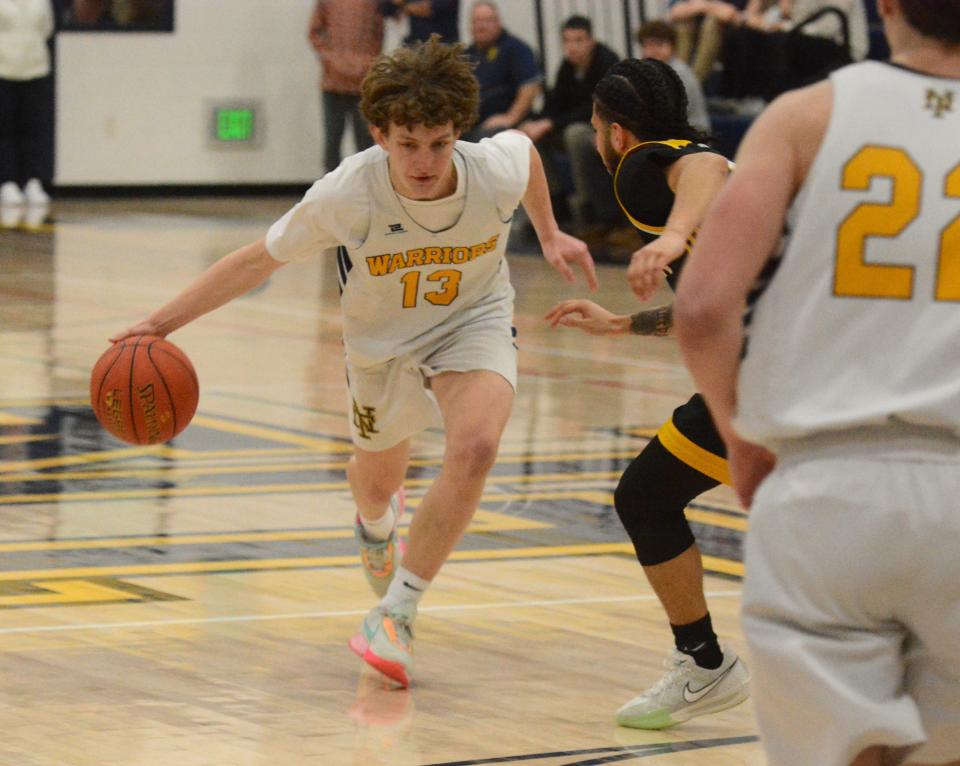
404, 285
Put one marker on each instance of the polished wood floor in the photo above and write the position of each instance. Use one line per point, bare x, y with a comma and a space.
189, 604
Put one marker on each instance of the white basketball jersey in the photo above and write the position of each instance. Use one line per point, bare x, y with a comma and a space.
860, 323
406, 286
403, 285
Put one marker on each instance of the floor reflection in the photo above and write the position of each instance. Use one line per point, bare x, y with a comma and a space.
383, 716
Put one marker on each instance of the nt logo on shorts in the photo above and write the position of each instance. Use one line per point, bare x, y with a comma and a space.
365, 420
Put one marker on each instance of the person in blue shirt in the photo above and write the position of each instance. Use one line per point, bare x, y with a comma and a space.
507, 71
427, 17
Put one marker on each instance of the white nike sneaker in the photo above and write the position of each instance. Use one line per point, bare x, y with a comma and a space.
687, 691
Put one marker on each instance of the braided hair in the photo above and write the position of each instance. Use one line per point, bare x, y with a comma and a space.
647, 98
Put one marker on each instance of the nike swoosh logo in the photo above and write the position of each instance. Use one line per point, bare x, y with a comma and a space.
693, 695
412, 587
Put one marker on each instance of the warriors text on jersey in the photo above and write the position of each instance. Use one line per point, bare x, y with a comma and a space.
861, 320
412, 271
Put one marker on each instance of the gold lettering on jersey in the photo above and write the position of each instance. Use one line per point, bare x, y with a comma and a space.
365, 420
939, 102
387, 263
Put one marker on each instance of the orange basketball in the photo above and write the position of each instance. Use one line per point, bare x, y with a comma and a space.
144, 390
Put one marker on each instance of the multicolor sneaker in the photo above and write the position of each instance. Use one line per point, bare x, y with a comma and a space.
687, 691
385, 642
379, 557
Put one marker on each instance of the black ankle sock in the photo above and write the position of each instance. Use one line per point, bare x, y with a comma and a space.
699, 641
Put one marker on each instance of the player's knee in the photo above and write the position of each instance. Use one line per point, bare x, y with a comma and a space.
474, 454
375, 487
652, 515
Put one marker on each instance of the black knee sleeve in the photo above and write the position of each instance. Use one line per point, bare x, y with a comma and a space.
650, 499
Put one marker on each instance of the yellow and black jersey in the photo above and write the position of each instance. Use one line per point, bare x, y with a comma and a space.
641, 188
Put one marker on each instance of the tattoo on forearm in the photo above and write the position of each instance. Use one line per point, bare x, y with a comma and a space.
656, 321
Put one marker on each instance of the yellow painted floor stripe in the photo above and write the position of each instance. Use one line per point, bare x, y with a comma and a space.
83, 459
483, 522
208, 567
259, 489
9, 419
25, 438
54, 402
717, 519
271, 434
69, 592
172, 472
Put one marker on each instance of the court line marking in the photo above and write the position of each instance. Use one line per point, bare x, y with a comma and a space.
621, 753
309, 463
239, 566
343, 613
280, 489
483, 522
304, 562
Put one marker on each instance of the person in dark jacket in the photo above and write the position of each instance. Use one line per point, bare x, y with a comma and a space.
564, 127
506, 68
427, 17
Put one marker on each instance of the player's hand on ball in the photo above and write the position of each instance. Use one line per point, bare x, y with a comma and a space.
561, 249
587, 316
145, 327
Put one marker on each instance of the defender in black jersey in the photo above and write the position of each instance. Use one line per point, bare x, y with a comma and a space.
664, 179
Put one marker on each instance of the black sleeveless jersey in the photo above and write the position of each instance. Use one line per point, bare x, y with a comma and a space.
641, 188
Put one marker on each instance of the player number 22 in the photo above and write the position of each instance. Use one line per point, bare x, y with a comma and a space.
854, 276
449, 280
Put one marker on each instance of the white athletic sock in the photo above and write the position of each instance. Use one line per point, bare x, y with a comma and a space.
382, 527
405, 590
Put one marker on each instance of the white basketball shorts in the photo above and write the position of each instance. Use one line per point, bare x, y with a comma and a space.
392, 401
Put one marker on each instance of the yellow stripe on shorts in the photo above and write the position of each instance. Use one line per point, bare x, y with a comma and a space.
692, 454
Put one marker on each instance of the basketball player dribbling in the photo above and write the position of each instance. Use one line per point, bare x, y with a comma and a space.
840, 403
421, 221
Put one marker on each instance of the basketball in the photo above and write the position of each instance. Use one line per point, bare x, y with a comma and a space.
144, 390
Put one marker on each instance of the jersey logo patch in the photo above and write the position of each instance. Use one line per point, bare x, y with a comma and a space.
365, 420
939, 102
396, 228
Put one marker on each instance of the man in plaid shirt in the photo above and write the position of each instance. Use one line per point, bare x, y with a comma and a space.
347, 36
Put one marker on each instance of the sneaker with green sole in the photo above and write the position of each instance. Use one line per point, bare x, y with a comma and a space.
687, 691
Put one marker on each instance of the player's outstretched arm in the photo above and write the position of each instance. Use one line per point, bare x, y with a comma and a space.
596, 320
695, 179
230, 277
559, 249
587, 316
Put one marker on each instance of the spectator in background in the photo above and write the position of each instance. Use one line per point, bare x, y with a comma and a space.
108, 15
784, 15
700, 29
26, 102
658, 40
427, 17
783, 44
565, 126
507, 71
347, 36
